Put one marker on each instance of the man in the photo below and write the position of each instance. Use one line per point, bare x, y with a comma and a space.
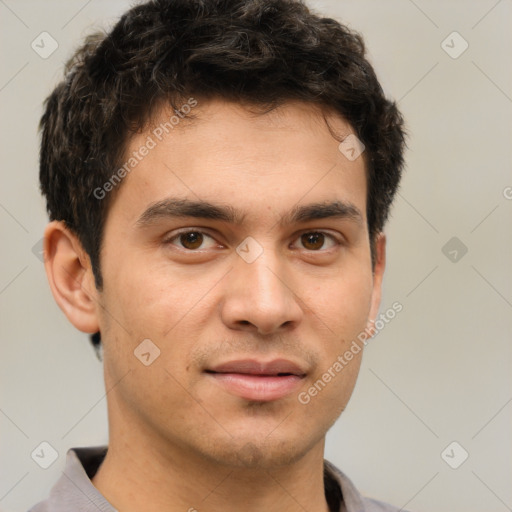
218, 174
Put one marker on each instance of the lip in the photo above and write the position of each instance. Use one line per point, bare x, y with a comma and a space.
255, 380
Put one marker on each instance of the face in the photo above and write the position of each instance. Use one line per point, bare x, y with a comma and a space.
238, 249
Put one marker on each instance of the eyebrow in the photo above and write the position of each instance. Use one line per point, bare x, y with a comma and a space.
175, 207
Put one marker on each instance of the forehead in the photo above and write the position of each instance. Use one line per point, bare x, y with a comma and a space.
231, 153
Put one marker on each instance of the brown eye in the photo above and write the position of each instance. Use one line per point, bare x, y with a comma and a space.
312, 241
315, 240
191, 240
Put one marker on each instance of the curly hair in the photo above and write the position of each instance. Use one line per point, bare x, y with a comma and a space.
257, 52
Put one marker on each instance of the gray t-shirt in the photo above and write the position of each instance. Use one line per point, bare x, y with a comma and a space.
75, 492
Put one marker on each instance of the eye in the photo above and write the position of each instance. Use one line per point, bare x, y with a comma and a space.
190, 240
194, 240
314, 240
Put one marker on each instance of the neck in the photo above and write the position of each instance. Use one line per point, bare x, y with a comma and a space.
142, 472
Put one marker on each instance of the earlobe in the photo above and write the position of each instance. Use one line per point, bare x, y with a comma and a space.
378, 274
70, 277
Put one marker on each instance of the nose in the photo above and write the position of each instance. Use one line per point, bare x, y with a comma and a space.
260, 296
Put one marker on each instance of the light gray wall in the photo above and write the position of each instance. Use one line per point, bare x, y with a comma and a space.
439, 372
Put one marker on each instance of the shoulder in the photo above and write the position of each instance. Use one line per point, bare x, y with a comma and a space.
40, 507
352, 499
74, 489
371, 505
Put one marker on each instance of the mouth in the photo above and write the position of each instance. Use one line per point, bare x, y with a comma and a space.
257, 380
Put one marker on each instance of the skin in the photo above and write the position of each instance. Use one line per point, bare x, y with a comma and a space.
178, 439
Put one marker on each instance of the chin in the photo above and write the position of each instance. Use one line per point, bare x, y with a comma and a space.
248, 452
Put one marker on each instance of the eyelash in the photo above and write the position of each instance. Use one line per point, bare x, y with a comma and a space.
184, 232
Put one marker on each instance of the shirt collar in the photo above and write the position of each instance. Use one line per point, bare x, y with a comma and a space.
74, 489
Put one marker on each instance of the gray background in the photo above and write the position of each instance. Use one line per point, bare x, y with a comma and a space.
439, 372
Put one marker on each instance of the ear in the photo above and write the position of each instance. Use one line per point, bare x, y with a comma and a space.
70, 276
378, 274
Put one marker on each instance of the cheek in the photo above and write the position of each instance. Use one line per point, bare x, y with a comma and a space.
146, 299
328, 392
159, 306
343, 303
